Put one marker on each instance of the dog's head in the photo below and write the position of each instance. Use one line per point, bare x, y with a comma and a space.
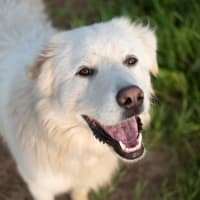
99, 76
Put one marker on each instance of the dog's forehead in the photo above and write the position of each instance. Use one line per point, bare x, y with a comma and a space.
110, 42
102, 39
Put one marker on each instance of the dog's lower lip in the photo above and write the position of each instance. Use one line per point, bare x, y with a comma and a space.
131, 149
127, 152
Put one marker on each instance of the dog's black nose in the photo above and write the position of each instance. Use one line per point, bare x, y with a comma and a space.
131, 97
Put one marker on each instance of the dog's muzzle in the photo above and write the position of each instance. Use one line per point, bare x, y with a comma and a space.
124, 137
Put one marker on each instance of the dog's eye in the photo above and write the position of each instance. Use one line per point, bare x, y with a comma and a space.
130, 61
86, 71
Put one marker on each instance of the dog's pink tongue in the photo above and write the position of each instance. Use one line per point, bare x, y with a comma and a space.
126, 132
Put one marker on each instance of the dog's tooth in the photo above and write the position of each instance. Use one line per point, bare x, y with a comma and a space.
140, 138
122, 146
128, 150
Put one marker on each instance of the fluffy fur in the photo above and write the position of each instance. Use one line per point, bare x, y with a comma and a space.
42, 99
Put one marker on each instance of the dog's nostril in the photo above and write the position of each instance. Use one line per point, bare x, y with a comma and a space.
128, 101
140, 100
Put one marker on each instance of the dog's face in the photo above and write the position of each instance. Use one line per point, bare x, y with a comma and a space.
99, 76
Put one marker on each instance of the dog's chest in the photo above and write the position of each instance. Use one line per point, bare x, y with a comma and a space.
95, 171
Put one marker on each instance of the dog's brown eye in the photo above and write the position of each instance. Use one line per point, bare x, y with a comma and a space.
130, 61
86, 71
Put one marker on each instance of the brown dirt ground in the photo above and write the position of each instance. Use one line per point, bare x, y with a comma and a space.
153, 169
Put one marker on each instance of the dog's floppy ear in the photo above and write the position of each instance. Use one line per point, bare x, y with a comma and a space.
34, 71
41, 70
148, 38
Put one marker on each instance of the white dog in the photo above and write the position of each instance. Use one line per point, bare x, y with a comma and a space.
72, 102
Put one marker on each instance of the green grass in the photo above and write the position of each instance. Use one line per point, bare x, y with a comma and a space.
176, 108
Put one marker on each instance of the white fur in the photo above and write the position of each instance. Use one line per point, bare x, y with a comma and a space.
40, 119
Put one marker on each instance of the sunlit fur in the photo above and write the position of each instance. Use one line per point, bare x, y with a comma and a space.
42, 98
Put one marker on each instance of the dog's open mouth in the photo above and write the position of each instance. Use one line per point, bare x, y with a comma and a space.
125, 137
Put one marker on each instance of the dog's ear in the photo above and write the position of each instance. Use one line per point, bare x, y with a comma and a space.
148, 38
41, 70
34, 71
45, 55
